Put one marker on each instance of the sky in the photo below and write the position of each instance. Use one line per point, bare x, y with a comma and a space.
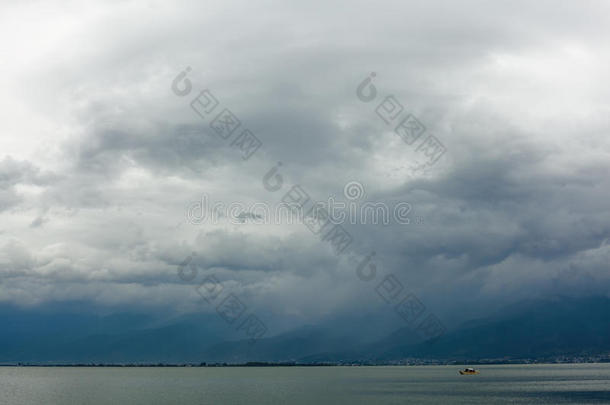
102, 160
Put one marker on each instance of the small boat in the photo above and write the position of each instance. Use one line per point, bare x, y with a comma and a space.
469, 371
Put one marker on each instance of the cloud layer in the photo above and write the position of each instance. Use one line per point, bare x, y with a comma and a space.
99, 159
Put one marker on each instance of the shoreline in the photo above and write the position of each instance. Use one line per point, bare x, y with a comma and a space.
288, 364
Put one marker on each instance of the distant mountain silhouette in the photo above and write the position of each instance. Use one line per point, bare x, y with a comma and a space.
534, 329
28, 336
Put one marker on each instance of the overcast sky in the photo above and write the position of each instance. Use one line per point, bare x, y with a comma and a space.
100, 160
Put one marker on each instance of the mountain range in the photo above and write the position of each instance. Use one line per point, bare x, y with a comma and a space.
537, 329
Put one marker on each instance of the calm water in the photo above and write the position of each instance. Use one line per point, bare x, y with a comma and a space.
514, 384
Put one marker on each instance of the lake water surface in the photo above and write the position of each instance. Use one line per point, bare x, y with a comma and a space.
498, 384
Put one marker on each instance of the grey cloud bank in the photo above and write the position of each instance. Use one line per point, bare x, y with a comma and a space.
99, 158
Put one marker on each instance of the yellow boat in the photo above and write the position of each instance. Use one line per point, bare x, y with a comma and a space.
469, 371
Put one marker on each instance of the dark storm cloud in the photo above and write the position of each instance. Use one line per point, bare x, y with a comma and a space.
518, 202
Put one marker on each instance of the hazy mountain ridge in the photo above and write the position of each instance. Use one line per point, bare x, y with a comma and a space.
534, 329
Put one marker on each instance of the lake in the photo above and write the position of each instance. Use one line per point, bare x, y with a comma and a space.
497, 384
